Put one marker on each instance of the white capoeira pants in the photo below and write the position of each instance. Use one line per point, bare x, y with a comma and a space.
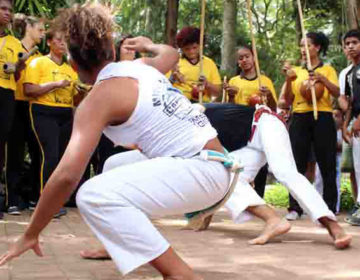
271, 144
117, 203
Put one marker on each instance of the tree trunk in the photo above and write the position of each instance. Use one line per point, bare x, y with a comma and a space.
228, 51
171, 21
297, 22
352, 13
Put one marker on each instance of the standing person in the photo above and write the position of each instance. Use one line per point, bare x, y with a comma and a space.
304, 130
245, 86
49, 82
31, 30
351, 100
319, 185
134, 104
9, 49
186, 75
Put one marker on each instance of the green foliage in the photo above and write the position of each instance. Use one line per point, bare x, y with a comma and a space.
346, 200
277, 195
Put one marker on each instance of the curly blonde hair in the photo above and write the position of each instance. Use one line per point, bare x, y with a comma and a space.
88, 32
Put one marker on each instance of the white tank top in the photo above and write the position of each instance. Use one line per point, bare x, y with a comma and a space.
163, 122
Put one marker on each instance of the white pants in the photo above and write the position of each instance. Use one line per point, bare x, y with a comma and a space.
117, 203
356, 158
271, 144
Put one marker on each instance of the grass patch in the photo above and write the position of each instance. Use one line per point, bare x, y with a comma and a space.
277, 195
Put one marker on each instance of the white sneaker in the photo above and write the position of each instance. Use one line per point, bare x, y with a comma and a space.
292, 216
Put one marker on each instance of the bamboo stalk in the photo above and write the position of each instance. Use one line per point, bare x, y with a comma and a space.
253, 44
308, 60
224, 94
201, 52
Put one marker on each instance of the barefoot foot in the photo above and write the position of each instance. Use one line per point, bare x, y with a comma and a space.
273, 228
98, 254
342, 241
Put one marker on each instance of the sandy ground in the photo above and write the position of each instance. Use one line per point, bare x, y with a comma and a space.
221, 253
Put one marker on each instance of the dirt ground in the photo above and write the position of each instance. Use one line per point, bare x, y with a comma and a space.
221, 253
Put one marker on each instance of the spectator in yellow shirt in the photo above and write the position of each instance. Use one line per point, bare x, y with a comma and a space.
9, 49
31, 30
187, 77
49, 80
304, 130
243, 87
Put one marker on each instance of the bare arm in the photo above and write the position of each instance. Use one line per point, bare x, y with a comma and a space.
34, 90
111, 106
333, 89
165, 57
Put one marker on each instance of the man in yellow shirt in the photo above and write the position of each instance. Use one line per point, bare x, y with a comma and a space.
9, 49
187, 77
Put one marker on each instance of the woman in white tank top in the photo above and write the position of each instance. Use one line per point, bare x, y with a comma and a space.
132, 103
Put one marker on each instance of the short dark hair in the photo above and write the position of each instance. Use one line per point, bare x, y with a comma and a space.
352, 33
88, 31
188, 35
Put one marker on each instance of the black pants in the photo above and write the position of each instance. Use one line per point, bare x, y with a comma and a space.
260, 181
7, 109
304, 131
52, 127
21, 181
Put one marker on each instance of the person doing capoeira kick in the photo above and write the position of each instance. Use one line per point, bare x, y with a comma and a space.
256, 137
132, 103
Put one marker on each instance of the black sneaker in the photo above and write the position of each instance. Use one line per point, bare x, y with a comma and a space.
14, 210
62, 212
355, 208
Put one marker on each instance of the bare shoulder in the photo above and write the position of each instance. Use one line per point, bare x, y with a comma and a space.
112, 100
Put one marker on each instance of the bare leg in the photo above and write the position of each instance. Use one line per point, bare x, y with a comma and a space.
341, 239
274, 224
172, 267
97, 254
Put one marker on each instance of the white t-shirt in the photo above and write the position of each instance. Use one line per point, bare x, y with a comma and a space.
342, 79
163, 122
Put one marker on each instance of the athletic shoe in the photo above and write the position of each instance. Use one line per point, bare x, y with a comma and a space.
14, 210
292, 216
32, 205
354, 219
355, 208
62, 212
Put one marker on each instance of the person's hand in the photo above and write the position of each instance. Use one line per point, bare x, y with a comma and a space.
317, 77
63, 83
177, 76
356, 128
202, 82
289, 72
19, 247
265, 91
138, 44
231, 90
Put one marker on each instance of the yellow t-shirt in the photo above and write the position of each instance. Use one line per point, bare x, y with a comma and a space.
43, 70
191, 74
324, 104
9, 49
19, 93
248, 88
